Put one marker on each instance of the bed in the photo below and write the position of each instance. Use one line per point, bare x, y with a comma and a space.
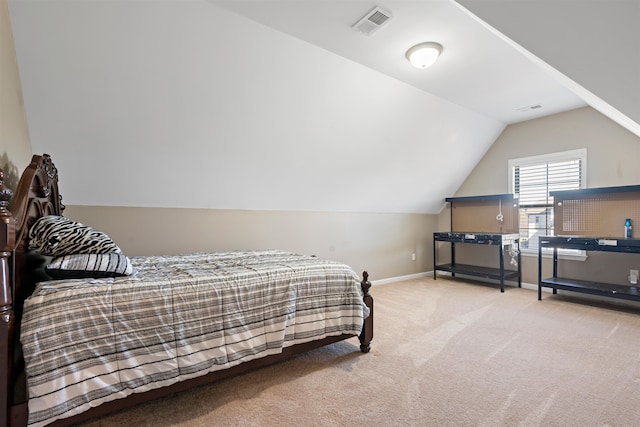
76, 347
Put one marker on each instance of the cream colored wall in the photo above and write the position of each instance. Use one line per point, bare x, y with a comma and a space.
612, 151
382, 244
15, 149
613, 158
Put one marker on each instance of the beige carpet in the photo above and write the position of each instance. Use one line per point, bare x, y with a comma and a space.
445, 353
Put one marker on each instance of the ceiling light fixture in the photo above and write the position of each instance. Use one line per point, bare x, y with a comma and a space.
424, 55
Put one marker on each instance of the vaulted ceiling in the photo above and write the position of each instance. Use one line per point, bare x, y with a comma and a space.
494, 50
280, 105
476, 70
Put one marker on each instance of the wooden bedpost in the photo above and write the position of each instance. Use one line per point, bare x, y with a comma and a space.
7, 244
367, 329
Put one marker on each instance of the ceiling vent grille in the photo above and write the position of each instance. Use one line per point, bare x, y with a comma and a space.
373, 21
529, 108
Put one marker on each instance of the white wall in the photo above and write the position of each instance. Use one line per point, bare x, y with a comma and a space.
183, 104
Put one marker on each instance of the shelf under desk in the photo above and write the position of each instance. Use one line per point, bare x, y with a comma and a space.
601, 244
490, 239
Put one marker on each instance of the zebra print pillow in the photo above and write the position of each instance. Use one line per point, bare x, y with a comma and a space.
58, 236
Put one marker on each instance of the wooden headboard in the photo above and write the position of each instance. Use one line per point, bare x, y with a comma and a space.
36, 195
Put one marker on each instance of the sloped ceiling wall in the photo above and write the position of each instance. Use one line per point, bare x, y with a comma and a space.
595, 43
15, 150
182, 104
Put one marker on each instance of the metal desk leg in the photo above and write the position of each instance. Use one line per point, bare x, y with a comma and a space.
501, 267
539, 271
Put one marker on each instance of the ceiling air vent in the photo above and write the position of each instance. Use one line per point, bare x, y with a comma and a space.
372, 21
529, 108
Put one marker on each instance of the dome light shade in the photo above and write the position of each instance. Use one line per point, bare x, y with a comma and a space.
424, 55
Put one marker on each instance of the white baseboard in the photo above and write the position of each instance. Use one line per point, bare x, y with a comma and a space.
525, 285
534, 287
531, 286
401, 278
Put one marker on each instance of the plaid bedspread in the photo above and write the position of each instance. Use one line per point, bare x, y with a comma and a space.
89, 341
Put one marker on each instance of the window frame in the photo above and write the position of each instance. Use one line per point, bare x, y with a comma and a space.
577, 154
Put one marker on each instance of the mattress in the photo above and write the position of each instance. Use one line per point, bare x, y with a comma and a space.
88, 341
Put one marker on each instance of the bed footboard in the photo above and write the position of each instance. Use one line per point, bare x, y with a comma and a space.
367, 329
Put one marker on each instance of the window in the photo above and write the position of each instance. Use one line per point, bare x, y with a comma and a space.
531, 180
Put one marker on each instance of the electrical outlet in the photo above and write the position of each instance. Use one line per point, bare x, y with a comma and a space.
633, 277
413, 256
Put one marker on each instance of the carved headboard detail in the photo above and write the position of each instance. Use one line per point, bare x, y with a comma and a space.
36, 195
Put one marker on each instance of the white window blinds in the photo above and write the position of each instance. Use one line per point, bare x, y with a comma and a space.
534, 182
533, 178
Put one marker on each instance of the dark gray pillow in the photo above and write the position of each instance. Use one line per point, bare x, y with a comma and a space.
79, 266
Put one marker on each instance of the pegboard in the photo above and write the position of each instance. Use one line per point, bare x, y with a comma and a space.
596, 212
481, 214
